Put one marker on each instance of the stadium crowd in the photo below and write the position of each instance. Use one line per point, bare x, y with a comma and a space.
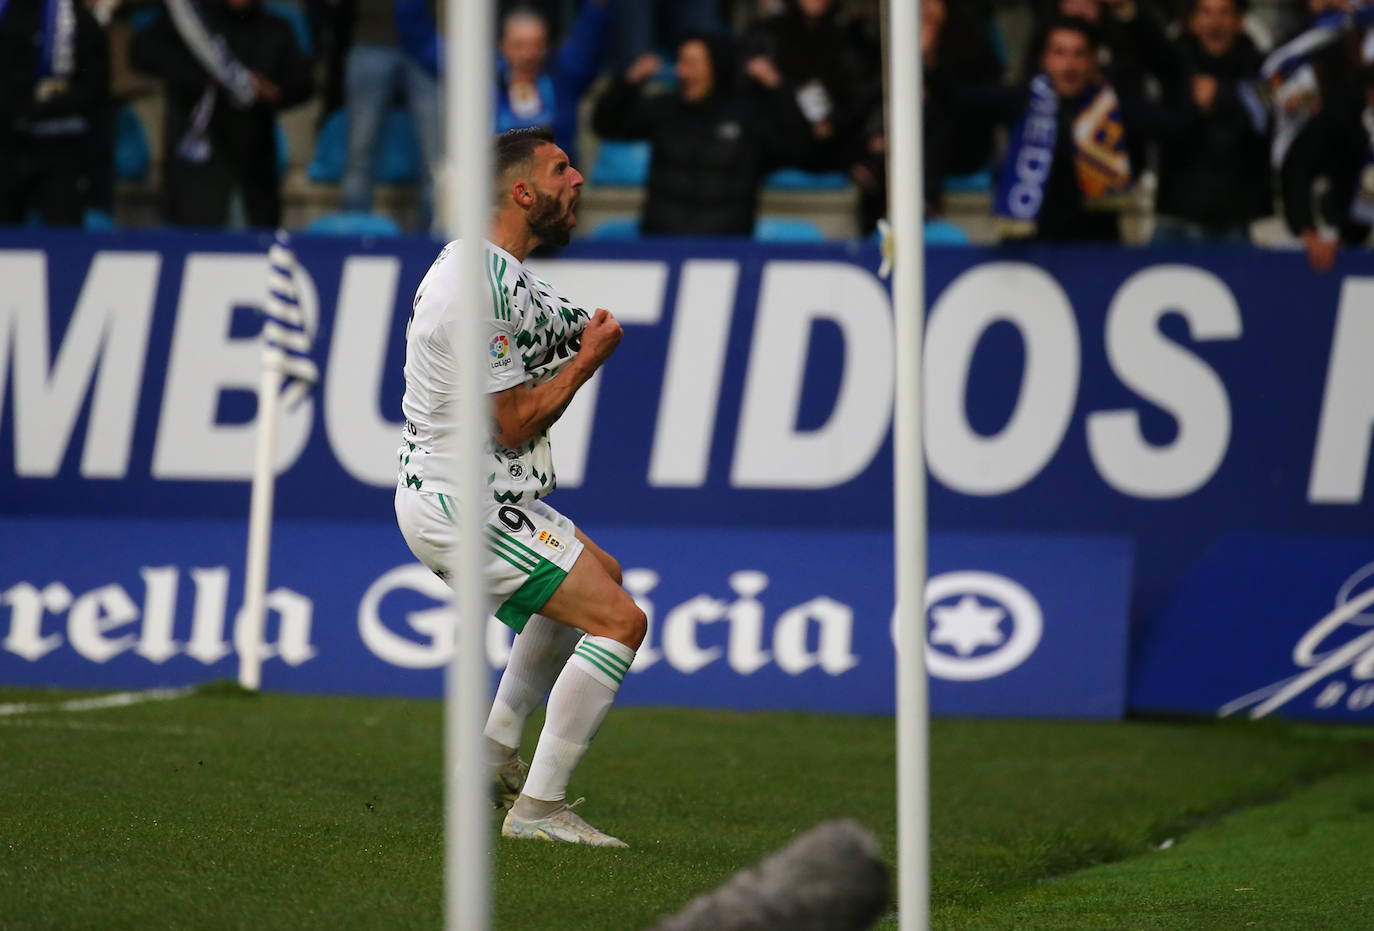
1213, 114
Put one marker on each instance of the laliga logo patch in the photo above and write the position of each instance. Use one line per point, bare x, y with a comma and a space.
499, 346
551, 541
981, 625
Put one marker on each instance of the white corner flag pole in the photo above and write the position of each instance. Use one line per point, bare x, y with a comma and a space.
467, 684
248, 627
906, 208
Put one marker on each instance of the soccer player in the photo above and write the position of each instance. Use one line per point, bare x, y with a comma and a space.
577, 629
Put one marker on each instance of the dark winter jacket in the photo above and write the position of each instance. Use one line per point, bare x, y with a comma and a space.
1214, 164
262, 42
709, 157
65, 108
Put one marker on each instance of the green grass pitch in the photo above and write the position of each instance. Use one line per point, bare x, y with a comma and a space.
277, 811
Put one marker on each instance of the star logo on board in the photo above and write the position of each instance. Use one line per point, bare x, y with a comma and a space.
967, 625
979, 625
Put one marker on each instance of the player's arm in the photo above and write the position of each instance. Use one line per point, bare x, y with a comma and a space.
523, 412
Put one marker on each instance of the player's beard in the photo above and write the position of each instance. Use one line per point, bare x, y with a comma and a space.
548, 220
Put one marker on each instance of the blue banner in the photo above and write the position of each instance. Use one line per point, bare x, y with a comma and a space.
746, 620
1265, 625
1172, 397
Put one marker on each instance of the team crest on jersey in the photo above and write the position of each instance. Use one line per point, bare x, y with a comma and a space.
551, 541
516, 470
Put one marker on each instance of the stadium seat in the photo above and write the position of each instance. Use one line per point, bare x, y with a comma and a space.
621, 164
131, 155
353, 223
293, 14
945, 233
97, 221
794, 179
787, 229
616, 228
398, 161
980, 182
283, 152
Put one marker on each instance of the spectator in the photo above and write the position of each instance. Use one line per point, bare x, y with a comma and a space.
1132, 47
1213, 164
531, 90
54, 86
1320, 135
228, 70
833, 68
712, 142
960, 61
376, 70
1067, 158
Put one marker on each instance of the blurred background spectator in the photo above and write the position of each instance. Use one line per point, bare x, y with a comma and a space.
228, 67
376, 73
1213, 156
713, 138
658, 26
532, 89
1320, 136
54, 86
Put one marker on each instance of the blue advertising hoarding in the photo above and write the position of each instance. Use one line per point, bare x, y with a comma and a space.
1168, 397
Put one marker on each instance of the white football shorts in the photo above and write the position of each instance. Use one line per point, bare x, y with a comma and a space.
530, 548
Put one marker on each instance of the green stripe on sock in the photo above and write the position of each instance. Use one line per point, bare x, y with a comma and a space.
606, 655
599, 665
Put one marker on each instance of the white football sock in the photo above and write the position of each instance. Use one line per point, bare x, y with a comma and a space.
538, 655
577, 706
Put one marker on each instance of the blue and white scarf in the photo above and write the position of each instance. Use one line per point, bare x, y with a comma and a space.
1102, 166
286, 333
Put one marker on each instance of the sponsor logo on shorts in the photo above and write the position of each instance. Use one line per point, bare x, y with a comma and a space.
551, 541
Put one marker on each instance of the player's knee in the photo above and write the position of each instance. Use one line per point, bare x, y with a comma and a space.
630, 624
613, 570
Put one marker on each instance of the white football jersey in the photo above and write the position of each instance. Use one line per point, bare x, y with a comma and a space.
530, 332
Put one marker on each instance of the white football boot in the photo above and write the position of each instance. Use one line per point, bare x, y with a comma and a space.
506, 782
563, 825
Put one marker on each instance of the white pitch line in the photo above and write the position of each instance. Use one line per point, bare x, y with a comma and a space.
115, 700
65, 725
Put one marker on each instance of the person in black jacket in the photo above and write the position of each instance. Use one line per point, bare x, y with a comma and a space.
1213, 157
712, 143
219, 136
54, 87
1330, 143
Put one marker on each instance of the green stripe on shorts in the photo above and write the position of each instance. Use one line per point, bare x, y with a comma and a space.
529, 598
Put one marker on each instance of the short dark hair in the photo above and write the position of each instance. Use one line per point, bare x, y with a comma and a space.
1073, 24
515, 147
1242, 6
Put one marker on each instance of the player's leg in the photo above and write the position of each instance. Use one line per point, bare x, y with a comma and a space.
590, 600
537, 656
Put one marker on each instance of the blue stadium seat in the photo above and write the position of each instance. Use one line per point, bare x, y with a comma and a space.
787, 229
283, 152
944, 233
141, 17
354, 223
980, 182
131, 155
622, 164
398, 161
616, 228
97, 221
293, 14
794, 179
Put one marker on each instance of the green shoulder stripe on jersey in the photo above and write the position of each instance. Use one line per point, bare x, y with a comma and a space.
497, 304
